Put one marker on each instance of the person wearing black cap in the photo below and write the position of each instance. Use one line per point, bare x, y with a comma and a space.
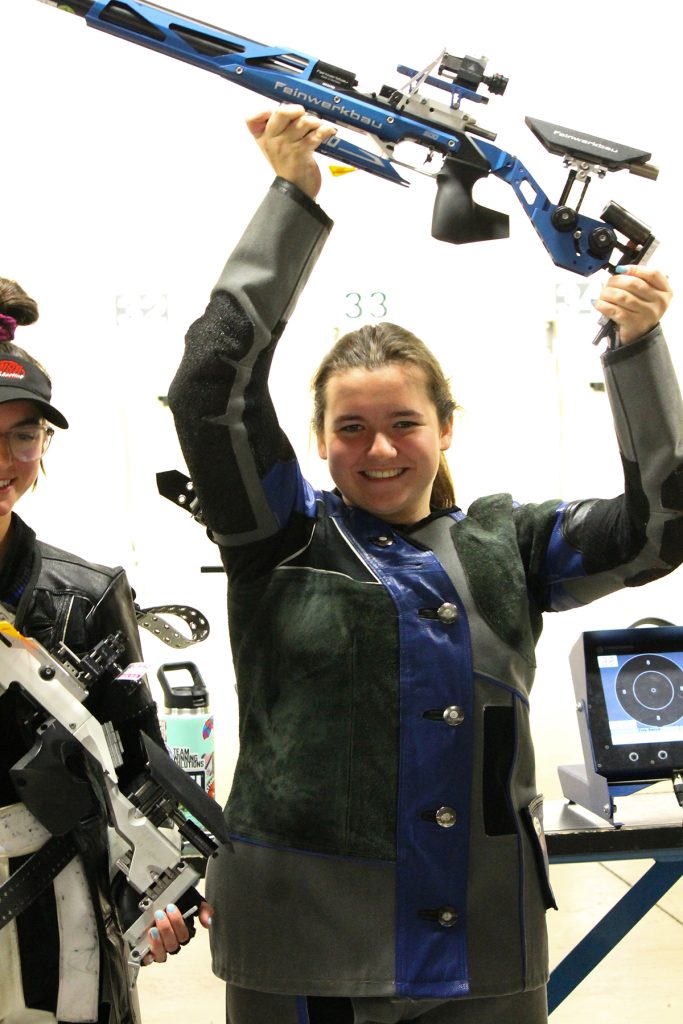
62, 959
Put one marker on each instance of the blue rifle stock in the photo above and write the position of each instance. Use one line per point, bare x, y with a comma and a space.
391, 116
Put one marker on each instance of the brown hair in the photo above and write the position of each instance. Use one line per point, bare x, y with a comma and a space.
372, 347
15, 302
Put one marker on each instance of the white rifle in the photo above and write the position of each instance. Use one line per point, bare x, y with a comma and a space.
150, 821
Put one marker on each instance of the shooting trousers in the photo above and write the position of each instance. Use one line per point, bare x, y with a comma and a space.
248, 1007
77, 948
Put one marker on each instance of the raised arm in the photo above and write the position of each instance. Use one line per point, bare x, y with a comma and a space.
242, 465
600, 545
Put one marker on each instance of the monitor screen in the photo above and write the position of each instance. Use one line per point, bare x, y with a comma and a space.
643, 696
634, 683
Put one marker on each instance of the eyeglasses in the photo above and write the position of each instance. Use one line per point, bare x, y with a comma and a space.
28, 443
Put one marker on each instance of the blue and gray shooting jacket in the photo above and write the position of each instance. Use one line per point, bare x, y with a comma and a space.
388, 832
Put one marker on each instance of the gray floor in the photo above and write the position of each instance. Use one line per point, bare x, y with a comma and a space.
640, 982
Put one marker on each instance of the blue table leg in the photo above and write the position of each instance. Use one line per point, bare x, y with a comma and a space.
640, 898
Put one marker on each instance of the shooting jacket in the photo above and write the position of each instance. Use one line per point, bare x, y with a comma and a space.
388, 832
65, 953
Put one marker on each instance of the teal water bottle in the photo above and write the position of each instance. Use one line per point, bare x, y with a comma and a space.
187, 725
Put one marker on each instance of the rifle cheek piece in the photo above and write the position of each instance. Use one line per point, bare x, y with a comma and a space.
457, 218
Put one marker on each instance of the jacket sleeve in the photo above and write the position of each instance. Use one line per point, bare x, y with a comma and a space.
241, 463
600, 545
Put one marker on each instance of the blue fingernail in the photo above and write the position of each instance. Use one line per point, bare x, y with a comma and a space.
154, 933
622, 269
159, 914
170, 908
209, 921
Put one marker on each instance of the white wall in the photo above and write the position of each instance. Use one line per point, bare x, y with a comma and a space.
126, 178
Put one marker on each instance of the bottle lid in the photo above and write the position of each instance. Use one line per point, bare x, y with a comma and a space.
183, 696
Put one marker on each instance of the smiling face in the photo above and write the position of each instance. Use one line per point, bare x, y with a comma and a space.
15, 477
383, 440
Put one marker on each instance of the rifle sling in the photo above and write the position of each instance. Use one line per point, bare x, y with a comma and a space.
152, 620
34, 876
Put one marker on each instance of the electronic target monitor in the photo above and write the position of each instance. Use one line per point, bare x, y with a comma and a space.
631, 682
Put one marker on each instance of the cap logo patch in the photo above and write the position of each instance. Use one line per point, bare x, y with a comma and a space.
8, 368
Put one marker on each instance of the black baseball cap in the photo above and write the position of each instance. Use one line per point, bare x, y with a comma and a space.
21, 379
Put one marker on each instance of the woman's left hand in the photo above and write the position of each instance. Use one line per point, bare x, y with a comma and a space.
635, 300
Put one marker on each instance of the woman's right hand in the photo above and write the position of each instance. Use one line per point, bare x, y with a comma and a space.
170, 932
288, 137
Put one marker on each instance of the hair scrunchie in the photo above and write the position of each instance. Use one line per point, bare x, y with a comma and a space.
8, 326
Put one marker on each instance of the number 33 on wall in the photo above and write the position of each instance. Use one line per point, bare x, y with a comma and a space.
369, 306
357, 305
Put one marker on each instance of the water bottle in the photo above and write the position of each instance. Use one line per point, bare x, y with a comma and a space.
187, 725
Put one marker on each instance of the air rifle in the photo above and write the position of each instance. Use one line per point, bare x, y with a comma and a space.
74, 755
391, 116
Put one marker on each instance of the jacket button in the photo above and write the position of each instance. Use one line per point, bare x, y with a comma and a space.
447, 916
384, 542
447, 612
453, 715
445, 816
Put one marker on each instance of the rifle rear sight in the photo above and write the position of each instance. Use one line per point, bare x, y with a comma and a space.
469, 72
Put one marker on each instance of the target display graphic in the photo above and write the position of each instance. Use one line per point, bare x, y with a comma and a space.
649, 688
629, 687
